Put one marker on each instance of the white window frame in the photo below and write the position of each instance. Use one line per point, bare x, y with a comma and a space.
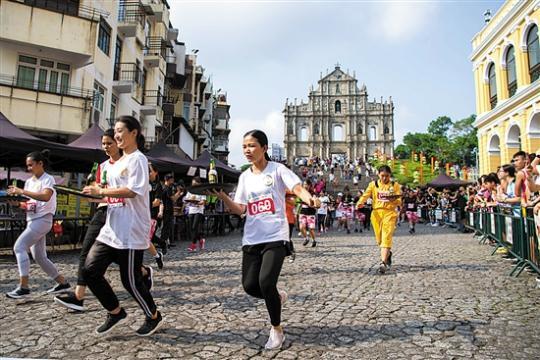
59, 87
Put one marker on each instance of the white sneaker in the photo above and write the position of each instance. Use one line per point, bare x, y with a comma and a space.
283, 296
275, 340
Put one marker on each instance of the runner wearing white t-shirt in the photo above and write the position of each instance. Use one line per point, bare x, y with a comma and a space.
125, 235
322, 213
40, 210
195, 212
261, 195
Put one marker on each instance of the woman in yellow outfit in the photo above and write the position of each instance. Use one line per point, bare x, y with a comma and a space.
386, 196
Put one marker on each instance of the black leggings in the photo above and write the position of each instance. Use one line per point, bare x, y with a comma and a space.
130, 261
195, 224
291, 229
95, 225
261, 265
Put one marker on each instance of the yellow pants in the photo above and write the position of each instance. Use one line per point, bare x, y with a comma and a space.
384, 225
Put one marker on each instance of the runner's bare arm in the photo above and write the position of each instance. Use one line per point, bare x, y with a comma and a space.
305, 196
235, 208
43, 195
122, 192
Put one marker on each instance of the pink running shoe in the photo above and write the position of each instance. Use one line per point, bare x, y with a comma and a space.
202, 242
192, 248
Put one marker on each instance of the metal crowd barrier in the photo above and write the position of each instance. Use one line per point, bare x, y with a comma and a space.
518, 234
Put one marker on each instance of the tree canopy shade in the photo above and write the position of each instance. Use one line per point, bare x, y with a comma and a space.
447, 141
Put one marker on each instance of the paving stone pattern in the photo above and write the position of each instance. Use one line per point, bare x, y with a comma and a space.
445, 298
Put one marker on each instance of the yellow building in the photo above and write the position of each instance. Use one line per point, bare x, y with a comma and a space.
66, 64
506, 67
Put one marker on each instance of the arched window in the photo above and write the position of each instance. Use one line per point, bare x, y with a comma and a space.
338, 106
386, 130
337, 133
372, 136
511, 71
303, 134
533, 49
492, 85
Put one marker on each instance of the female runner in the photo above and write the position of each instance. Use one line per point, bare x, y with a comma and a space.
261, 194
125, 235
39, 217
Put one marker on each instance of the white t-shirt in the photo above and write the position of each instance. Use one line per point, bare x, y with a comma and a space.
264, 196
34, 208
323, 210
192, 207
128, 220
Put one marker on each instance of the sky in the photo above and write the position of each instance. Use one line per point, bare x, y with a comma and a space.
262, 52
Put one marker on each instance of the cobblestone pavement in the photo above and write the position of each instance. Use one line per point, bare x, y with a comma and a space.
446, 298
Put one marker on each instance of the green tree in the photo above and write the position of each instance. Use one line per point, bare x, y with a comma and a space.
402, 152
440, 126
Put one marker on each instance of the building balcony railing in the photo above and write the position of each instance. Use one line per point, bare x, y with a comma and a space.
72, 8
63, 90
131, 18
126, 76
151, 103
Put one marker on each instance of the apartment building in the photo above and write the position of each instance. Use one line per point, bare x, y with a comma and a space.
66, 64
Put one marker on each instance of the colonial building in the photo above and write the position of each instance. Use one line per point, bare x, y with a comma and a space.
221, 129
338, 120
506, 67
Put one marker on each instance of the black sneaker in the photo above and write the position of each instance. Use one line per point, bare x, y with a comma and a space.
70, 301
389, 261
111, 322
159, 260
314, 243
18, 293
306, 241
149, 278
292, 257
348, 231
382, 268
150, 325
59, 289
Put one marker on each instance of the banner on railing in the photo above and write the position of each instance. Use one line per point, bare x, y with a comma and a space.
438, 214
492, 221
471, 219
453, 217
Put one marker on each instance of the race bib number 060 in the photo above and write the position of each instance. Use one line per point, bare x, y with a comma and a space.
261, 205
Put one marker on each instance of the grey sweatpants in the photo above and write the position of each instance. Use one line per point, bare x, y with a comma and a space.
33, 239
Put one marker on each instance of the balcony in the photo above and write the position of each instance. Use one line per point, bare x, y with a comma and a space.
173, 73
172, 34
126, 77
131, 18
221, 125
153, 10
169, 101
45, 106
57, 26
152, 100
155, 52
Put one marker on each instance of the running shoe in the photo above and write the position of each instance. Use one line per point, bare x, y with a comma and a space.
192, 248
306, 241
275, 340
70, 301
348, 231
159, 260
292, 257
411, 231
111, 322
59, 289
389, 261
149, 277
314, 243
382, 268
202, 243
18, 293
150, 325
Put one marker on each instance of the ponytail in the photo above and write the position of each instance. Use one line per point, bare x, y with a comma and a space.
38, 156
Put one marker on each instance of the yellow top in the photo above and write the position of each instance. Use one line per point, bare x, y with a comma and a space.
379, 195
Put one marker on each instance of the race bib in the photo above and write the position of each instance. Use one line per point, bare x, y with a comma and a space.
261, 205
115, 202
410, 206
31, 206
